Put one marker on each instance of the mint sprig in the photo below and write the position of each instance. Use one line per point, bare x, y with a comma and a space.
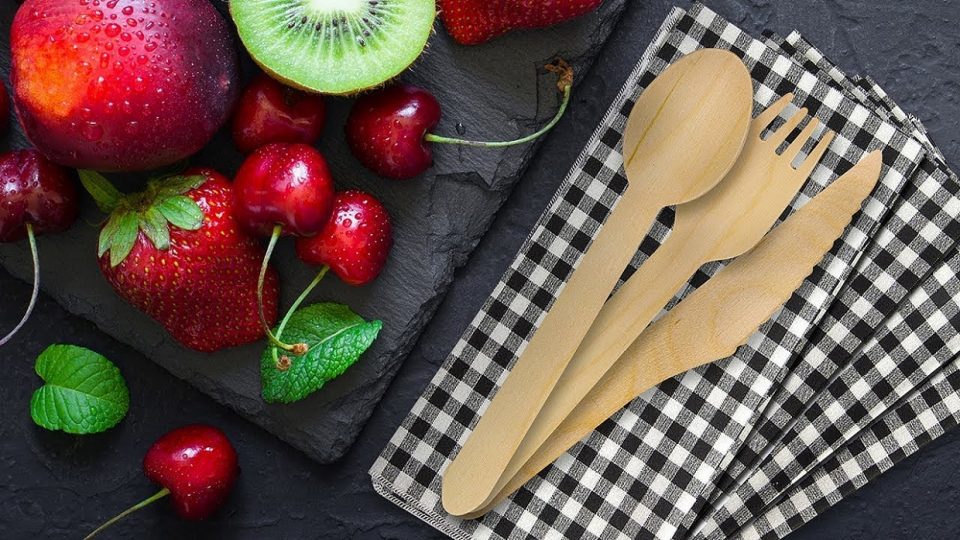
336, 337
84, 392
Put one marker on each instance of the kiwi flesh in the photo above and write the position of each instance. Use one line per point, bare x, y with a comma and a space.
334, 46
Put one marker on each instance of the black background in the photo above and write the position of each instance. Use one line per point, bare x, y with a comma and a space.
58, 486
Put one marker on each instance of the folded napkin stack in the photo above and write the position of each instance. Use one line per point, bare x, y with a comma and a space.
854, 373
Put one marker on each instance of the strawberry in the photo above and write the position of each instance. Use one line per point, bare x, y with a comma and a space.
176, 253
355, 242
475, 21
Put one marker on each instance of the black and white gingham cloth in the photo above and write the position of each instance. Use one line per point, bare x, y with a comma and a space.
928, 413
932, 410
640, 474
922, 229
842, 392
911, 346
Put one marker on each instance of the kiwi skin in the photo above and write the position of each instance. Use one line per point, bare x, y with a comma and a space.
294, 84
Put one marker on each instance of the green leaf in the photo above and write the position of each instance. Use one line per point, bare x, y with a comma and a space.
154, 225
107, 234
128, 229
104, 194
84, 392
177, 184
336, 336
181, 211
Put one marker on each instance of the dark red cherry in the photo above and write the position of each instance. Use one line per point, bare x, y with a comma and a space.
284, 184
197, 464
355, 243
197, 467
386, 130
36, 191
269, 112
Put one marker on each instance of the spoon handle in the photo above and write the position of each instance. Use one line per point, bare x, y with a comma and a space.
473, 476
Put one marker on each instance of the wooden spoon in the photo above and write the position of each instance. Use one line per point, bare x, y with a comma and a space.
683, 135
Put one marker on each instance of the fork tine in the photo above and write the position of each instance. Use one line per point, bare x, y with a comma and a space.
796, 146
762, 121
811, 161
782, 132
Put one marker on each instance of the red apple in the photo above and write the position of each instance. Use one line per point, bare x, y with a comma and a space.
121, 85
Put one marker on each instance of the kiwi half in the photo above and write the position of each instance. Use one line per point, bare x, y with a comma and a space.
334, 46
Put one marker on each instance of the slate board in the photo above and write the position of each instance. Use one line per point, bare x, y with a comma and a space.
494, 91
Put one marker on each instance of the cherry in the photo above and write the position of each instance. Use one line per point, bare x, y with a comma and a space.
388, 130
269, 112
286, 185
282, 188
36, 197
197, 467
356, 241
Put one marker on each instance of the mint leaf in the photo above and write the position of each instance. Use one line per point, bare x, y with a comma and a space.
336, 336
84, 392
181, 211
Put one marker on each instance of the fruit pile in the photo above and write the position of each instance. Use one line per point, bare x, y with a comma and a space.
106, 86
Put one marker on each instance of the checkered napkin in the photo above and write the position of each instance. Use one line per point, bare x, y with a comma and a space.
929, 412
642, 473
921, 231
915, 343
935, 209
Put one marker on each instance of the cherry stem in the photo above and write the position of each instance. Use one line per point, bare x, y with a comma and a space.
32, 239
565, 73
146, 502
299, 348
296, 305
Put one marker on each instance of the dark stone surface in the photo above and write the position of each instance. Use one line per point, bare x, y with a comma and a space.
57, 486
494, 92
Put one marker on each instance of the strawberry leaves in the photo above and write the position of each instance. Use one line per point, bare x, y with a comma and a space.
84, 392
336, 337
181, 211
152, 211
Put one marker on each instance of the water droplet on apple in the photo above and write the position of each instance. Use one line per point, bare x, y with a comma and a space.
112, 30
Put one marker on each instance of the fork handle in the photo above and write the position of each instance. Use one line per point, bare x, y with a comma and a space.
472, 477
